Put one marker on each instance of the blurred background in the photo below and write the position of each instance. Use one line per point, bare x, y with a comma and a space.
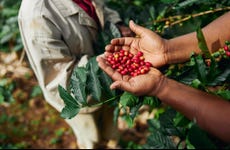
27, 121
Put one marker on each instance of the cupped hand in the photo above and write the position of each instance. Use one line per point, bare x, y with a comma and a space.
146, 84
151, 44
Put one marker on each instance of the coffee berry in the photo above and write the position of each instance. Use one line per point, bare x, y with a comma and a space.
227, 48
127, 63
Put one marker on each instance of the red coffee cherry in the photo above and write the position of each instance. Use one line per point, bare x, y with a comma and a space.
128, 64
226, 48
227, 53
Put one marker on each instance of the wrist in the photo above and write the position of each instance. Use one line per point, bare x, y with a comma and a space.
167, 52
162, 85
170, 55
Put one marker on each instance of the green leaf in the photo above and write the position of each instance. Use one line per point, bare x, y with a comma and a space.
129, 120
78, 84
199, 138
224, 94
181, 120
186, 2
157, 140
188, 144
2, 99
67, 98
167, 1
202, 43
134, 110
220, 78
69, 112
167, 124
154, 124
213, 71
114, 30
153, 102
92, 65
93, 83
159, 112
201, 69
116, 115
128, 99
6, 38
36, 91
106, 81
196, 83
71, 108
81, 74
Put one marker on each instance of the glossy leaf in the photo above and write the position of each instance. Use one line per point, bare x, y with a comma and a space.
224, 94
157, 140
200, 139
151, 101
106, 81
67, 97
202, 43
69, 112
78, 84
93, 82
201, 69
128, 99
71, 108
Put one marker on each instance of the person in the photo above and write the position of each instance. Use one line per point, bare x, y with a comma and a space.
59, 36
209, 111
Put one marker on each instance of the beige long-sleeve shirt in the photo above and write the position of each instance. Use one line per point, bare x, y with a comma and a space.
57, 34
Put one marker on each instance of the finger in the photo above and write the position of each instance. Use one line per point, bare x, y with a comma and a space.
122, 41
106, 54
122, 85
113, 48
139, 30
107, 69
99, 57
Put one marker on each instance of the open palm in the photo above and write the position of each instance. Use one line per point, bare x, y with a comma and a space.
145, 84
151, 44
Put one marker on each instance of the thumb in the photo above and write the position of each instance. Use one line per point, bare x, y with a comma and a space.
139, 30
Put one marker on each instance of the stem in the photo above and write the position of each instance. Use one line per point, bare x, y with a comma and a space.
186, 17
98, 104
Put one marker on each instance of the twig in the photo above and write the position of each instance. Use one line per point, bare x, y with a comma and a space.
198, 14
187, 17
22, 56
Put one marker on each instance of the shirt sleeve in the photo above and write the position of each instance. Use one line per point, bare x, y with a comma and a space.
48, 54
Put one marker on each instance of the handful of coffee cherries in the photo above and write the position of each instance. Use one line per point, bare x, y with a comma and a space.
127, 63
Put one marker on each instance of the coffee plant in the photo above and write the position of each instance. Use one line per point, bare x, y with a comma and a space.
10, 39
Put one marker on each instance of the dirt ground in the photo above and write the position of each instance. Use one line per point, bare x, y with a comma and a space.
32, 123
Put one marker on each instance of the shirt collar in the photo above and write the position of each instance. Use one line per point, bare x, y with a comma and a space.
66, 7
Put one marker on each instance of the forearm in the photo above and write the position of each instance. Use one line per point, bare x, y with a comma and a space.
217, 32
179, 49
210, 112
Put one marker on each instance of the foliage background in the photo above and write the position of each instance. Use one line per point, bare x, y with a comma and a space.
170, 18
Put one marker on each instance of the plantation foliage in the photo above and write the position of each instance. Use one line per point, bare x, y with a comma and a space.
169, 18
